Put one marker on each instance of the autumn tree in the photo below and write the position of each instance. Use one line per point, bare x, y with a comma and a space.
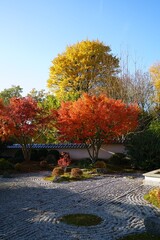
24, 121
155, 74
6, 127
95, 120
85, 67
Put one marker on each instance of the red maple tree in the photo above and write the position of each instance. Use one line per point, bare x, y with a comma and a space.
95, 120
64, 160
23, 121
6, 126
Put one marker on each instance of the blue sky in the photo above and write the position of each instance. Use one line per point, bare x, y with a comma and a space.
34, 32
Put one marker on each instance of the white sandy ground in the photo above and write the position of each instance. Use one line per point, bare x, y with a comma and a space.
30, 207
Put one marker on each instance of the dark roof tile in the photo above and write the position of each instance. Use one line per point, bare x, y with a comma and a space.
52, 146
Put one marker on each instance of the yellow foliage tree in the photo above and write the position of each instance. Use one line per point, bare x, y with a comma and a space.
87, 66
155, 74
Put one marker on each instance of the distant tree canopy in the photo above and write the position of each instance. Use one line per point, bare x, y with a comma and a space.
137, 88
13, 91
38, 96
87, 66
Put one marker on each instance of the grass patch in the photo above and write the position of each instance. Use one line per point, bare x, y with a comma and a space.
141, 236
81, 219
87, 174
67, 177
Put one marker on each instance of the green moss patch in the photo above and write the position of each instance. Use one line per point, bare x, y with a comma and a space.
80, 219
67, 177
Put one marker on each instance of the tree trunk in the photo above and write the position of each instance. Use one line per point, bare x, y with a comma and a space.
93, 149
26, 152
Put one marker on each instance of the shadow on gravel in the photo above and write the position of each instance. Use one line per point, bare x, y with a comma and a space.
30, 213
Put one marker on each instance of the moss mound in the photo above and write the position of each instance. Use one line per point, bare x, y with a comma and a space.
80, 219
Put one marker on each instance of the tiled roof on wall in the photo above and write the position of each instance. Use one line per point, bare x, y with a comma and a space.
52, 146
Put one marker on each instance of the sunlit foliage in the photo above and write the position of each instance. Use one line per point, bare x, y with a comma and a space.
155, 74
95, 120
87, 66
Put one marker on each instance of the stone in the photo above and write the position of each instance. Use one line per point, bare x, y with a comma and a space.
102, 170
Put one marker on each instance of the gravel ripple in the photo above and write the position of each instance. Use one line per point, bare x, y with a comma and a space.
31, 207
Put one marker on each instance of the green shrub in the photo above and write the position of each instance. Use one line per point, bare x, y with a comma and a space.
18, 157
100, 164
34, 155
119, 159
143, 149
51, 159
18, 167
27, 167
5, 164
43, 164
155, 127
2, 146
84, 163
42, 154
54, 153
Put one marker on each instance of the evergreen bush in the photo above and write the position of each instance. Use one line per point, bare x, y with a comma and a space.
5, 164
143, 148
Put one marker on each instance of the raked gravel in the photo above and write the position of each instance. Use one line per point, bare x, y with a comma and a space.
30, 207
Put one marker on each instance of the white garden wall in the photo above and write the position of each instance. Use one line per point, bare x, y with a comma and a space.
105, 152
